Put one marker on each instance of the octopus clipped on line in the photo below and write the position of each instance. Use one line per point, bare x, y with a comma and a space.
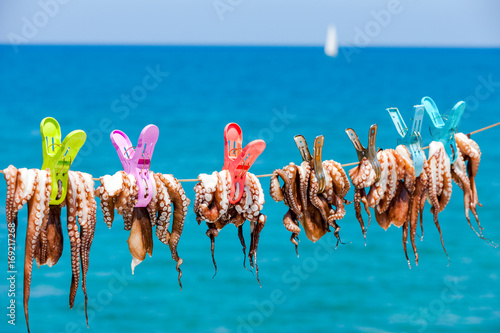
44, 240
439, 187
212, 206
463, 173
394, 196
120, 192
315, 212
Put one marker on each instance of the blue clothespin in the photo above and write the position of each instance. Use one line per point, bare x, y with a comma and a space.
410, 138
444, 131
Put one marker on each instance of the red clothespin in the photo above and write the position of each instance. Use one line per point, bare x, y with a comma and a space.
238, 160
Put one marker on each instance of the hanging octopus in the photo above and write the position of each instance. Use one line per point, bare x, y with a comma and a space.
44, 240
395, 197
120, 192
212, 206
439, 187
315, 212
386, 194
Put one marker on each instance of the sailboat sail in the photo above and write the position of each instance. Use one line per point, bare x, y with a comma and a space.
331, 44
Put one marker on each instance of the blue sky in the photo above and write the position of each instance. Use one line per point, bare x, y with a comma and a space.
462, 23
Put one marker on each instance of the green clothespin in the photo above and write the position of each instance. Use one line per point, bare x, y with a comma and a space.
58, 156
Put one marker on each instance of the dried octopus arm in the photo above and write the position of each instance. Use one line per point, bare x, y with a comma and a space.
253, 198
38, 210
152, 206
10, 174
304, 172
124, 202
164, 209
360, 197
212, 233
87, 220
221, 196
256, 228
408, 169
205, 205
275, 189
415, 209
445, 196
469, 148
435, 170
431, 169
315, 199
74, 239
338, 176
291, 225
181, 203
363, 175
25, 188
289, 174
459, 176
110, 188
388, 182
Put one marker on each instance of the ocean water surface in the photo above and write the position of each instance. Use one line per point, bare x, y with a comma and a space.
191, 93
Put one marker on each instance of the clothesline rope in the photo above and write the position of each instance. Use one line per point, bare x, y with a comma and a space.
353, 163
343, 165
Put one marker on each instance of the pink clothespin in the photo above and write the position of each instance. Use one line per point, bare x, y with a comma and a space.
136, 161
237, 160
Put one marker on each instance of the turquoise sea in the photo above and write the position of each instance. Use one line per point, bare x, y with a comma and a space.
191, 93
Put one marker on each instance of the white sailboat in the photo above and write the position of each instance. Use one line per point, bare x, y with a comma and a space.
331, 43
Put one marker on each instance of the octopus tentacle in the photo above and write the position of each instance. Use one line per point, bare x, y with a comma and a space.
292, 226
74, 239
288, 174
415, 209
153, 203
212, 232
11, 174
439, 182
315, 199
164, 209
181, 203
86, 213
470, 153
110, 188
38, 210
389, 190
256, 228
304, 172
459, 176
275, 189
25, 188
124, 202
243, 245
359, 195
205, 204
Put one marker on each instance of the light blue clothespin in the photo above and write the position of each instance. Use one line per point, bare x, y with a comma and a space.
444, 131
410, 138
